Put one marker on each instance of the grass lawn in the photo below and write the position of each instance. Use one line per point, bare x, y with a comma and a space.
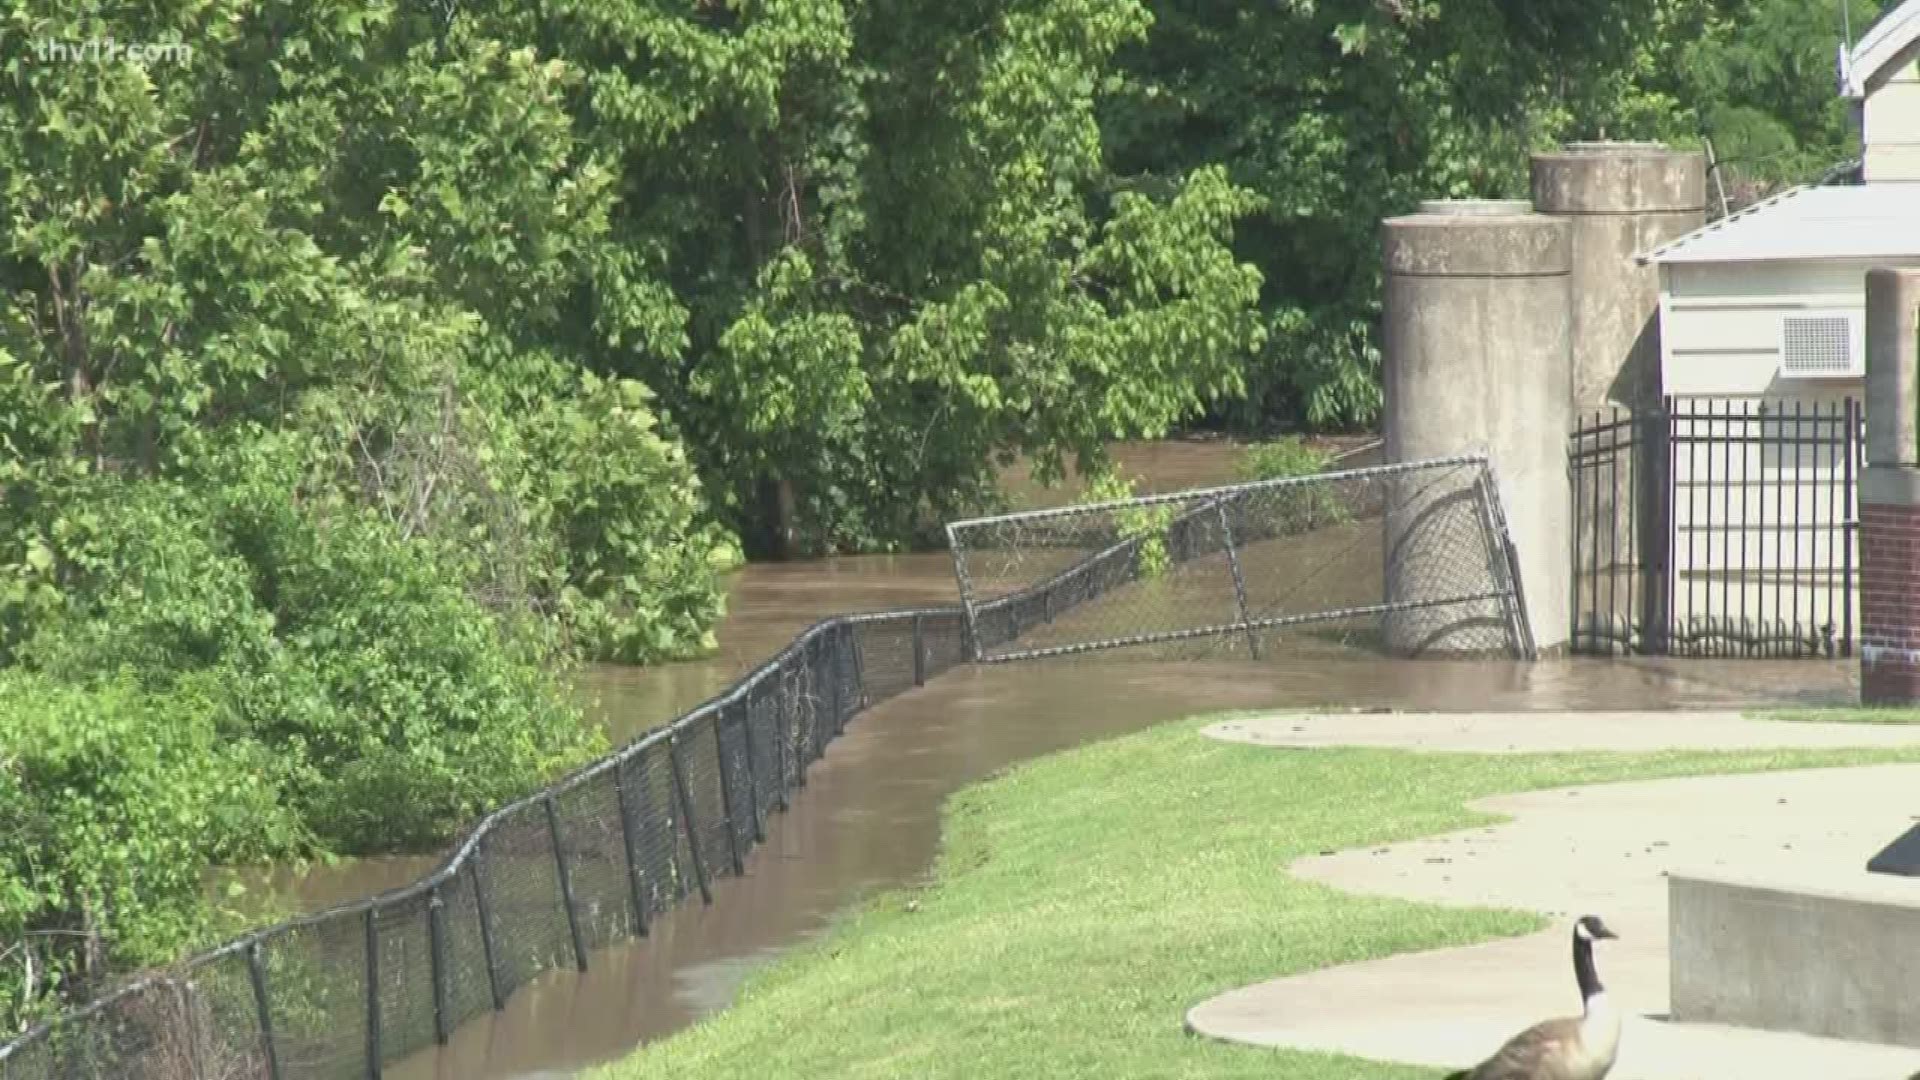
1085, 901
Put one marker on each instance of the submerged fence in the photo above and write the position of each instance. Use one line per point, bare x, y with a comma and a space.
537, 885
597, 857
1410, 558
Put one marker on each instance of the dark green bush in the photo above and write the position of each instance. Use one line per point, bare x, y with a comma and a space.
1282, 458
113, 802
1295, 509
394, 706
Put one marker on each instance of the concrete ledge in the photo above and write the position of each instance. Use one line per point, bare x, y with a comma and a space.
1833, 959
1473, 242
1890, 485
1619, 178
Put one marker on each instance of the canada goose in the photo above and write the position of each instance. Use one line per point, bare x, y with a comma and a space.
1571, 1048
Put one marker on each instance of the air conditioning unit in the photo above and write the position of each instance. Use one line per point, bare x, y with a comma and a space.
1822, 345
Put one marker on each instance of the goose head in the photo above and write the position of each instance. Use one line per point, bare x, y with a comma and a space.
1590, 928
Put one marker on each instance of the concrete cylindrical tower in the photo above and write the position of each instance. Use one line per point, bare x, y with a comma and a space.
1621, 199
1890, 494
1477, 343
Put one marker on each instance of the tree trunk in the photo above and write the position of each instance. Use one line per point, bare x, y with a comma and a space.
775, 524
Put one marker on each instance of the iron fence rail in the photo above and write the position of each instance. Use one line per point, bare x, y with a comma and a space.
1717, 527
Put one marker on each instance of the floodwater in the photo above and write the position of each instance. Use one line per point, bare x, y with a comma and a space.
868, 818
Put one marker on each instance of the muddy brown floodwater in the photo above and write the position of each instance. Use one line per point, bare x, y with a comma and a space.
868, 818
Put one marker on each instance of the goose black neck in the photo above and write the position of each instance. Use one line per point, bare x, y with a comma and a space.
1583, 967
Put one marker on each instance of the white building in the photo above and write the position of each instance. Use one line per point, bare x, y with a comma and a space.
1769, 302
1761, 322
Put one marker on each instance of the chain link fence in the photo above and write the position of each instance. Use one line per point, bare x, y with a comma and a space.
597, 857
1410, 558
537, 885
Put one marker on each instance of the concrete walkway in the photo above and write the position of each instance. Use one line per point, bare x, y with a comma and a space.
1557, 732
1604, 849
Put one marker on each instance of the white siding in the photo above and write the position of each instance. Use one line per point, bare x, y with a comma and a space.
1892, 128
1720, 323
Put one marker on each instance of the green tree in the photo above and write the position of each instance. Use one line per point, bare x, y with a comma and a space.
1339, 113
859, 249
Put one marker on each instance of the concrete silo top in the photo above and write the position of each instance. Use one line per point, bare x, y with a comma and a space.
1619, 178
1477, 238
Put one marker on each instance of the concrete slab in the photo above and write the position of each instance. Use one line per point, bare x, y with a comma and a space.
1829, 956
1605, 849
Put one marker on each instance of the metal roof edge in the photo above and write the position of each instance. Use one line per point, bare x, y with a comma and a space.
1888, 38
1658, 254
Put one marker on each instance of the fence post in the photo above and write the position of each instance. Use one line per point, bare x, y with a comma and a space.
374, 1053
1239, 582
970, 634
729, 806
860, 701
754, 808
1851, 530
1503, 563
566, 883
919, 653
783, 741
630, 841
1655, 444
826, 701
188, 995
839, 685
483, 913
686, 816
257, 974
856, 689
437, 956
810, 668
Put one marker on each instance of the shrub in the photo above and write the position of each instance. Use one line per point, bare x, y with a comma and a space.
393, 705
1282, 458
1148, 524
113, 802
1295, 509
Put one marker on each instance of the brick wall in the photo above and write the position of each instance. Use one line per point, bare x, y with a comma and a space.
1889, 604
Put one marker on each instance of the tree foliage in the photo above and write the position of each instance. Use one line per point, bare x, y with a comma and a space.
863, 247
364, 363
1339, 113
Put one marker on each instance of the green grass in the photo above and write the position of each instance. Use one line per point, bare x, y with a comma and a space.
1856, 714
1085, 901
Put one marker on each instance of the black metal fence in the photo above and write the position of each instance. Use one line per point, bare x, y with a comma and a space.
599, 856
537, 885
1717, 527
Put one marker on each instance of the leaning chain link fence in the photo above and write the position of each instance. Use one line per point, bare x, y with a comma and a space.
536, 885
1410, 559
598, 857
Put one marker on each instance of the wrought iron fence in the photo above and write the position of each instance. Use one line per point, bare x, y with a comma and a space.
1717, 527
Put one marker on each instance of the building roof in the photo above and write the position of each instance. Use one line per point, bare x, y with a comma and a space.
1887, 43
1866, 221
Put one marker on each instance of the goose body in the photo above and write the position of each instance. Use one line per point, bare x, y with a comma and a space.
1569, 1048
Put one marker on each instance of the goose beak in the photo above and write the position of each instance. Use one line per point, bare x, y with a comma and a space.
1607, 935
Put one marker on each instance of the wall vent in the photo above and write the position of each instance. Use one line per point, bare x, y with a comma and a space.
1820, 346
